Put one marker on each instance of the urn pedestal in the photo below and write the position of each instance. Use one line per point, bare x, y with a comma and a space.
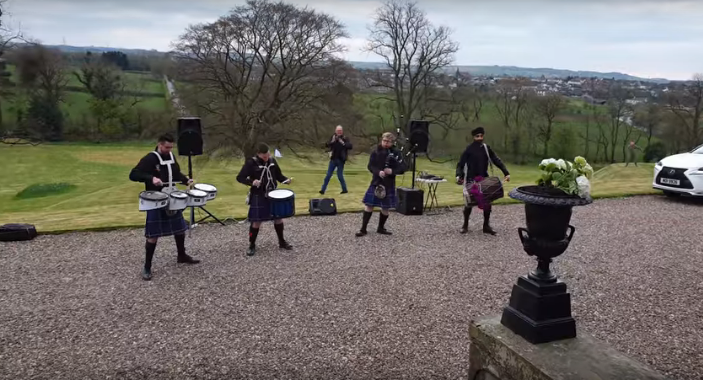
540, 305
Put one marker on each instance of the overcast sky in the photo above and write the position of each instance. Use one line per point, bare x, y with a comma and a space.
649, 38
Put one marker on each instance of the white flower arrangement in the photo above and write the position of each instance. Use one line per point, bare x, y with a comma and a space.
571, 178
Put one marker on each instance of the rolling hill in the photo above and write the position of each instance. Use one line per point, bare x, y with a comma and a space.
496, 70
512, 71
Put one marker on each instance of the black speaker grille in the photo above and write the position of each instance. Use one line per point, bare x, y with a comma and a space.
190, 140
420, 135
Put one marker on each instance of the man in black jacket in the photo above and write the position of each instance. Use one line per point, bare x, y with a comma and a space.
261, 173
472, 168
339, 146
156, 168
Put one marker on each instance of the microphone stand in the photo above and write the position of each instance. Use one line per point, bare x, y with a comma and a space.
412, 150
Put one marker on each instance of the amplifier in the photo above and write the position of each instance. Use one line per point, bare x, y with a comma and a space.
410, 201
323, 206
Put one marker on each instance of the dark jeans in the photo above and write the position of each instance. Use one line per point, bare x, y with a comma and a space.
339, 165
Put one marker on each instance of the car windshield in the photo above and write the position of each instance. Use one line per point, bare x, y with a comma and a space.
698, 150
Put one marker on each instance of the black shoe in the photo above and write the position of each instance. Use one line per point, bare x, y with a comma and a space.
251, 251
322, 192
285, 245
489, 230
185, 259
361, 233
384, 231
146, 274
344, 192
464, 230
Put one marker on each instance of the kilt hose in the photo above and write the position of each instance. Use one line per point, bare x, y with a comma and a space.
159, 224
390, 201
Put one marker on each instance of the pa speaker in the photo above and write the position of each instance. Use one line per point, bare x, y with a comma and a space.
419, 135
190, 140
322, 206
410, 201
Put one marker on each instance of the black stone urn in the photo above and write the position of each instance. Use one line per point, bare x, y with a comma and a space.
540, 306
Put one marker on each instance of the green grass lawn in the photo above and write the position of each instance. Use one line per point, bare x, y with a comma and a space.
95, 191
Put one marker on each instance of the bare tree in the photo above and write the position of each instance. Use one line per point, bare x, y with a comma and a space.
596, 131
686, 103
618, 110
8, 36
42, 69
547, 107
674, 133
649, 118
100, 78
511, 103
440, 106
260, 69
412, 49
41, 73
471, 101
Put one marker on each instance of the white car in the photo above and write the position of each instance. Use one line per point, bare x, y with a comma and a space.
680, 174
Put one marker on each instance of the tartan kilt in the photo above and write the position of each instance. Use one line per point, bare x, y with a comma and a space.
159, 224
259, 208
390, 201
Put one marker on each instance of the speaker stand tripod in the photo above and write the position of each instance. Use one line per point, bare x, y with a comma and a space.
192, 208
412, 150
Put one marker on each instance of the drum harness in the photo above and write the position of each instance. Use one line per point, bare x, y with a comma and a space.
171, 185
265, 171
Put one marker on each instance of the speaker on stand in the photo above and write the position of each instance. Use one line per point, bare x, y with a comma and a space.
190, 139
190, 143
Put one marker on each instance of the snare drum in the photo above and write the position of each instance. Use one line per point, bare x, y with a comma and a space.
196, 198
282, 203
152, 200
177, 200
209, 189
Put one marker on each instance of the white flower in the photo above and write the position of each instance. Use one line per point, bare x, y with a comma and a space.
546, 162
561, 164
584, 186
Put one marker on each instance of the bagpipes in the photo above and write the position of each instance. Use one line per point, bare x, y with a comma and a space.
396, 161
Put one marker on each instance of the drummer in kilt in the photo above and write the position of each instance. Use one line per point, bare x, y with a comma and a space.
158, 223
381, 193
262, 172
474, 162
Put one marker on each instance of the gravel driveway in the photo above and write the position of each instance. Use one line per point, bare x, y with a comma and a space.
74, 306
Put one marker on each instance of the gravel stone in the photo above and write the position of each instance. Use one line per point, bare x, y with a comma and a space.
74, 306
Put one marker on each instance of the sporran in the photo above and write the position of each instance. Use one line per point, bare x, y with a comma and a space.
380, 192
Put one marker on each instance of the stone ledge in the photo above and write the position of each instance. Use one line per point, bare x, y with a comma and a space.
498, 353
